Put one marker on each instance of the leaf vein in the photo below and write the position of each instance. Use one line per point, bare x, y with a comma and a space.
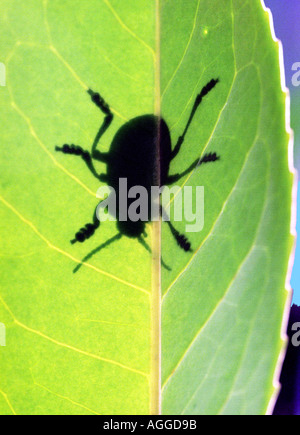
216, 307
51, 246
69, 347
190, 175
126, 28
65, 398
185, 50
55, 51
8, 402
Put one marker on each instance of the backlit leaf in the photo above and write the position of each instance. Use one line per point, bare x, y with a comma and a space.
87, 343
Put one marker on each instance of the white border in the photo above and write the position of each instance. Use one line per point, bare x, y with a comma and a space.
276, 379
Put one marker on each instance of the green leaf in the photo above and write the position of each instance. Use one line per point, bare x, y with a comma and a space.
89, 342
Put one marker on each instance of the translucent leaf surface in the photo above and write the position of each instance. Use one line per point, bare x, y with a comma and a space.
87, 342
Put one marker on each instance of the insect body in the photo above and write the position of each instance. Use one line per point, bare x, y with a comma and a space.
141, 153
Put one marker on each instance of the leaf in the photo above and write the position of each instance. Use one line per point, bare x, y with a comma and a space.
89, 343
222, 309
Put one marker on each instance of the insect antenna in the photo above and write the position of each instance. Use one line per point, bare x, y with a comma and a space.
95, 251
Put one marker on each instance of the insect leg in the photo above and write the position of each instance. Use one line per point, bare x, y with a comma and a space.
181, 239
87, 231
209, 87
104, 107
85, 155
207, 158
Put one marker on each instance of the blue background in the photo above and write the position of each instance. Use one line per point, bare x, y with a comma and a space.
286, 14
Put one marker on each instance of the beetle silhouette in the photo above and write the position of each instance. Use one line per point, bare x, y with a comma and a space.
139, 148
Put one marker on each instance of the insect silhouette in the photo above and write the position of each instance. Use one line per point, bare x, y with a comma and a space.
141, 152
